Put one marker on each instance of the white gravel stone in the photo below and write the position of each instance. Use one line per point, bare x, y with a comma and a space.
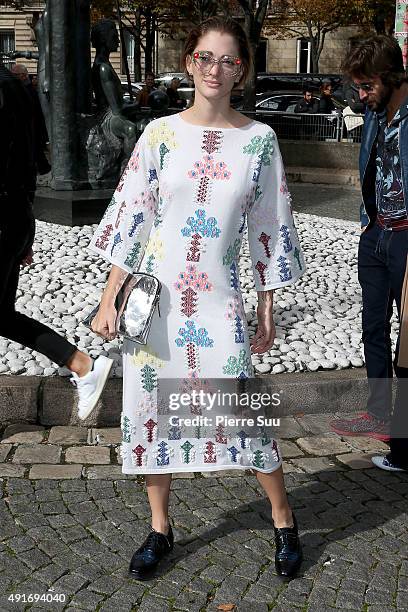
263, 368
318, 320
356, 362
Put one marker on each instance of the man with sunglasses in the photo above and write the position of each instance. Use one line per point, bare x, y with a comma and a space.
375, 66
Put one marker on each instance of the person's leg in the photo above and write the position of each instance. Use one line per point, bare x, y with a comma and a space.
160, 540
274, 486
158, 492
90, 378
377, 296
31, 333
399, 425
288, 555
377, 311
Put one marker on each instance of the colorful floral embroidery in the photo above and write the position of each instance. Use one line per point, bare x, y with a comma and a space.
296, 255
134, 159
285, 236
116, 241
212, 141
138, 458
136, 225
150, 430
163, 453
261, 267
189, 333
194, 279
210, 454
102, 241
187, 452
238, 365
202, 226
161, 133
243, 439
149, 378
120, 214
263, 147
233, 454
146, 201
284, 270
125, 426
234, 278
133, 255
146, 356
232, 253
264, 240
258, 459
208, 167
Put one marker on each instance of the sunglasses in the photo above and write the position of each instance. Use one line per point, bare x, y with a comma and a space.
204, 61
367, 87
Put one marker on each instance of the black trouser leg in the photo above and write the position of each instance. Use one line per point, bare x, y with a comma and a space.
375, 282
14, 325
399, 424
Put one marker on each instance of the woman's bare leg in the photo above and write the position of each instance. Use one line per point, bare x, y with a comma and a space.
80, 363
274, 486
158, 491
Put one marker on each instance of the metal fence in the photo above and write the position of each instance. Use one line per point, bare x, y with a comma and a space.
312, 127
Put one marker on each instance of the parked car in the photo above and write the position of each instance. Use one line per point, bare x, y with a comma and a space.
268, 82
136, 87
186, 88
277, 109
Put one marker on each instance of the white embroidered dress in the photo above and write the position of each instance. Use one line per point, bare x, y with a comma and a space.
179, 213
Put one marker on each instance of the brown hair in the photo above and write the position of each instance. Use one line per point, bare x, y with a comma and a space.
372, 56
225, 25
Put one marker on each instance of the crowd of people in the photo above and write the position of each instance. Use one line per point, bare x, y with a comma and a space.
184, 179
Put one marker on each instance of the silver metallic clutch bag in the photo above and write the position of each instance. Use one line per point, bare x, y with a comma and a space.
135, 305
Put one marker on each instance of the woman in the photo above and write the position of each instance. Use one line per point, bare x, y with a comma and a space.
179, 214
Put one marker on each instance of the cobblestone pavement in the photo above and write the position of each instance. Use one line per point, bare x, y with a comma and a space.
69, 522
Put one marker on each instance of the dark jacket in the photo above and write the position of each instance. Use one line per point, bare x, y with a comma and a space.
326, 105
368, 149
303, 106
17, 161
175, 100
353, 99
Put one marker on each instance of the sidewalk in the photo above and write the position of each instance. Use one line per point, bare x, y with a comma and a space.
70, 521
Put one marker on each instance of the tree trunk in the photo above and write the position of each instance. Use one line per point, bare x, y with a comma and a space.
250, 87
314, 48
137, 54
149, 42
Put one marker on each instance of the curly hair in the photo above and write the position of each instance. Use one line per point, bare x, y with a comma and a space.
373, 56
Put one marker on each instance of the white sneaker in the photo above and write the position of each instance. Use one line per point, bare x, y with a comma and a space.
384, 463
91, 385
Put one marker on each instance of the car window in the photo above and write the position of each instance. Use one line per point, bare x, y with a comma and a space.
270, 104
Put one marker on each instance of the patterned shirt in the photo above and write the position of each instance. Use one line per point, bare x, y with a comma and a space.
390, 201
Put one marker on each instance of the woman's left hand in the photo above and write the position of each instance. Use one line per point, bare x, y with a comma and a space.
266, 332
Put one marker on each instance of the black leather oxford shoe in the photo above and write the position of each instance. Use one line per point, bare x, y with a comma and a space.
146, 558
288, 556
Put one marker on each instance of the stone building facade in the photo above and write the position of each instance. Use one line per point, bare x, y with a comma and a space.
289, 55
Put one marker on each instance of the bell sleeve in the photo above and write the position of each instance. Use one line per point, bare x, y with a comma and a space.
124, 230
276, 254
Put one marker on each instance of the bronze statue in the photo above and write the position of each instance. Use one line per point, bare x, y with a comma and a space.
107, 87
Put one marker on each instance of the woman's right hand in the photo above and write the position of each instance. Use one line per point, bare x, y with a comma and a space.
104, 324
